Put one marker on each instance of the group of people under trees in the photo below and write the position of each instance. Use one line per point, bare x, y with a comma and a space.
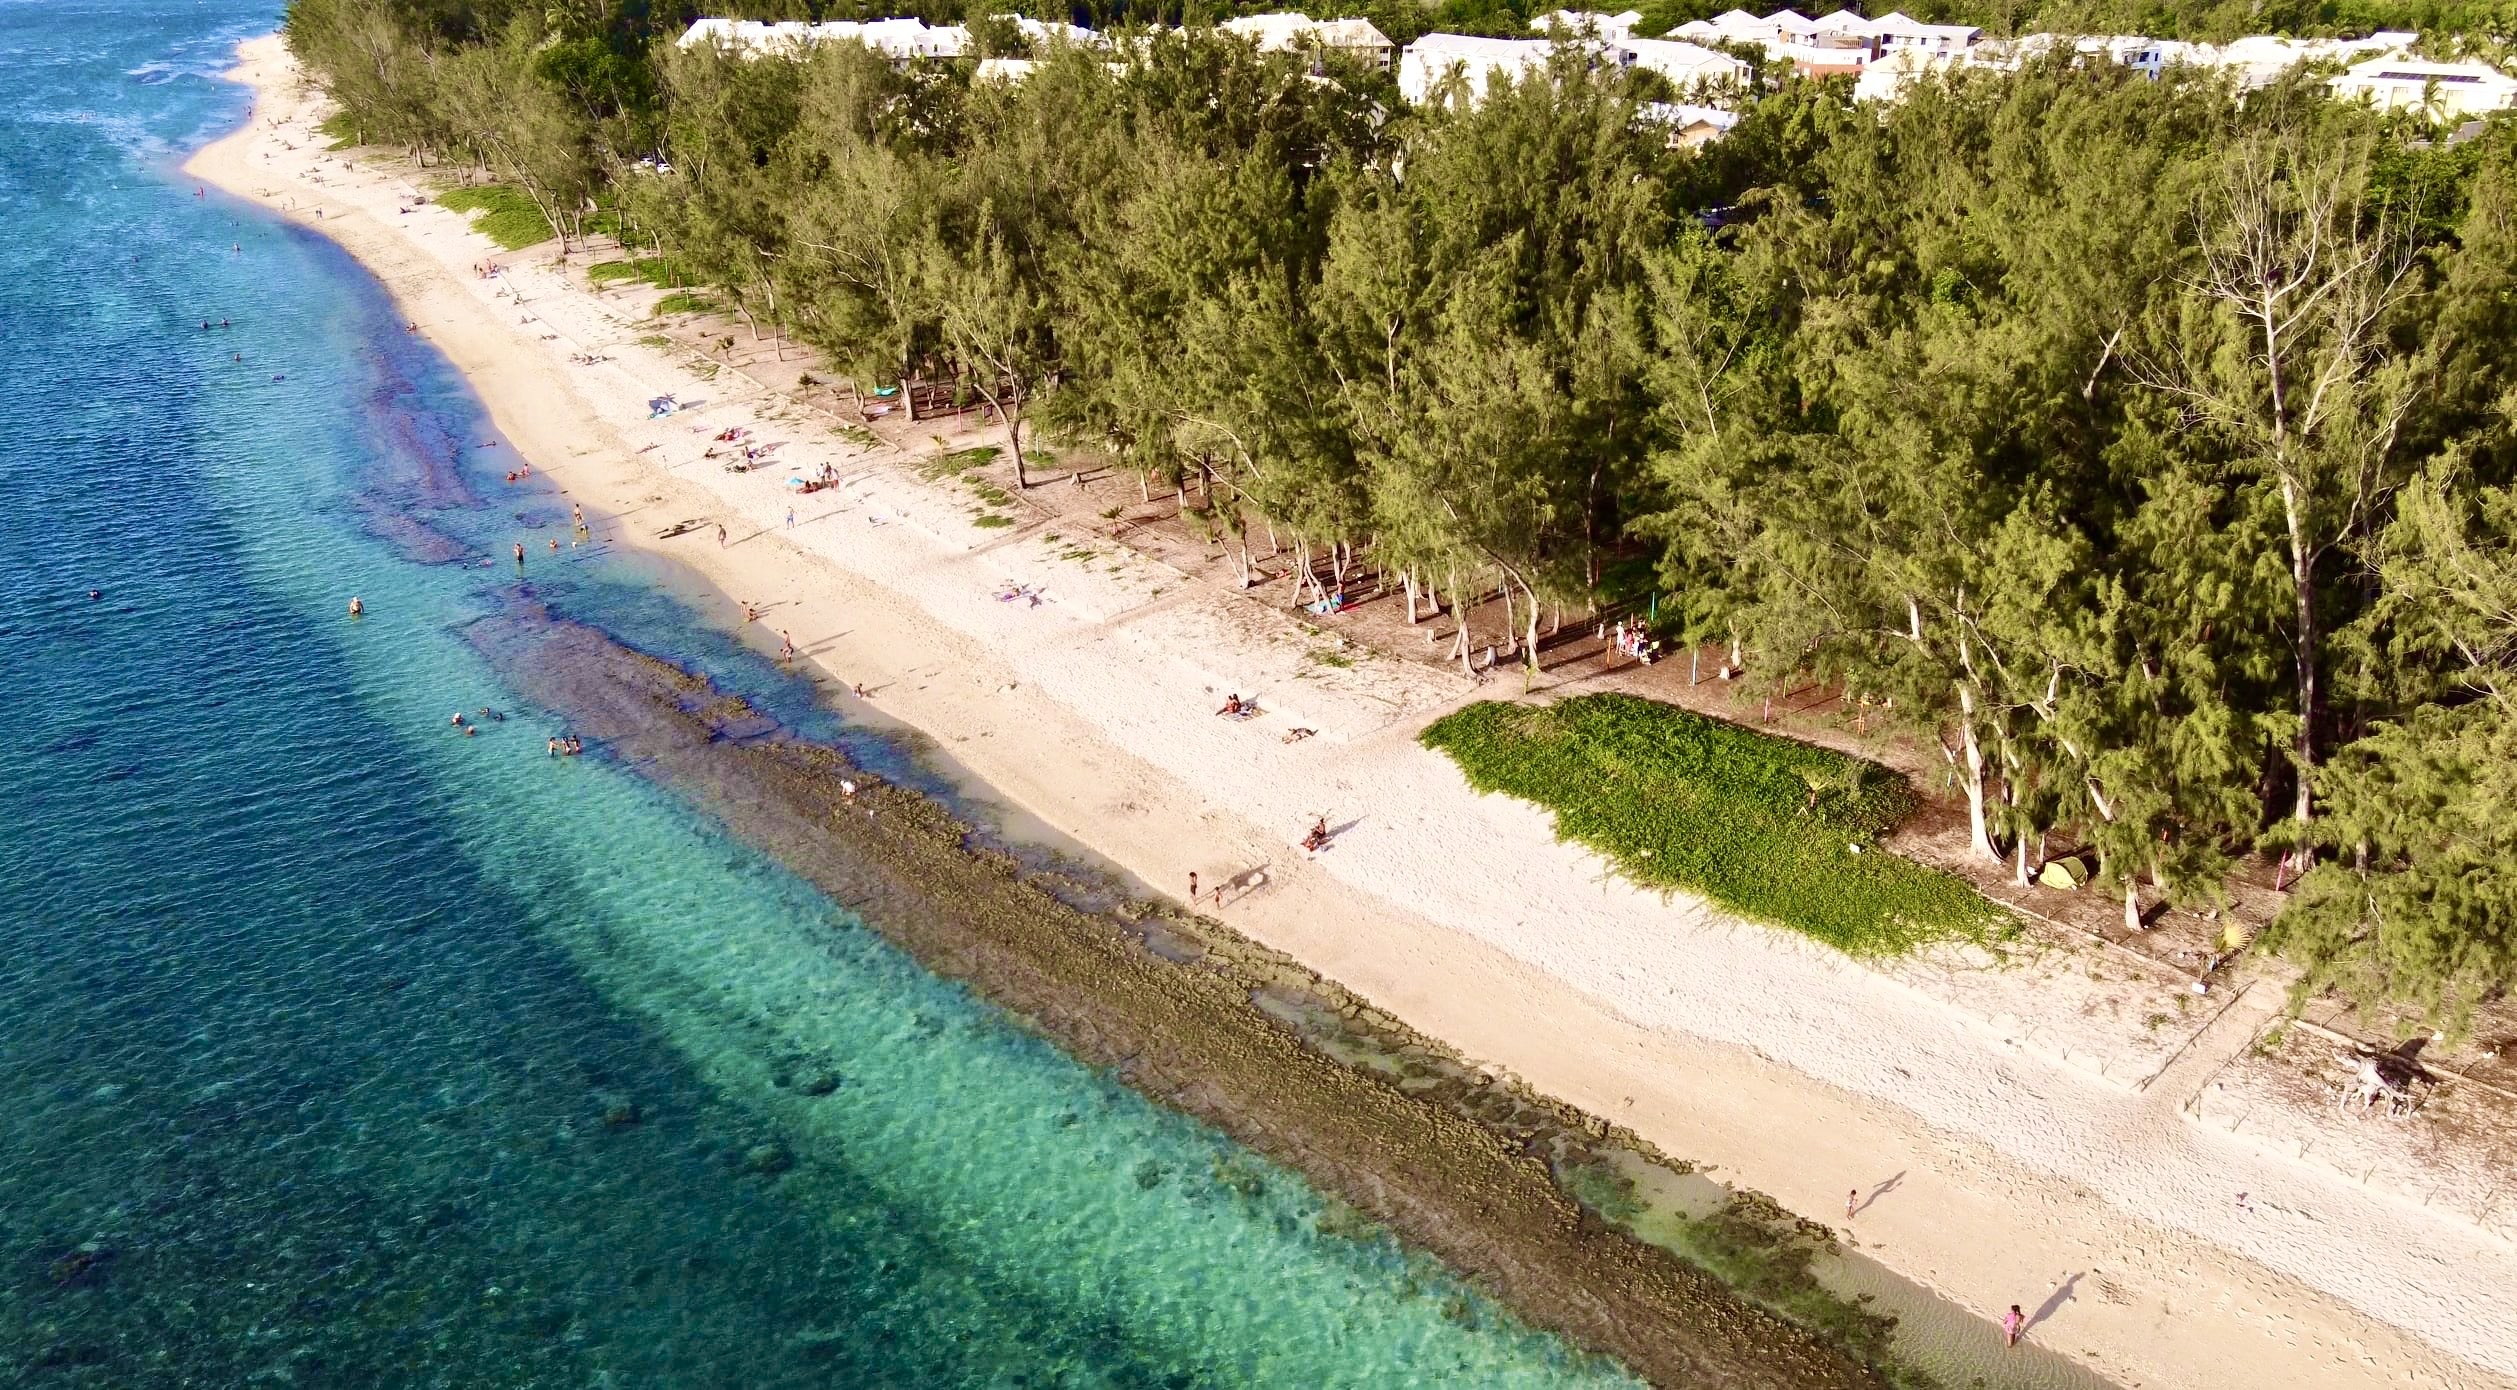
2144, 446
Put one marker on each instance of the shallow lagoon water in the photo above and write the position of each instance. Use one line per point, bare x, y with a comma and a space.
344, 1048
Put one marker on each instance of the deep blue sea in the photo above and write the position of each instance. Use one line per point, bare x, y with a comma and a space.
339, 1049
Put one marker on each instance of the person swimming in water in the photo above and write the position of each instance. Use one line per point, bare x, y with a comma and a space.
357, 609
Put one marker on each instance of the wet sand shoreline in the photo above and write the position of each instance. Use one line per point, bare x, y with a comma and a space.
1168, 1003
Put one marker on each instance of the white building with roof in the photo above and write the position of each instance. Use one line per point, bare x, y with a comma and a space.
1837, 43
1893, 73
2258, 60
1687, 66
1300, 33
1690, 126
2439, 90
899, 40
1435, 59
1897, 32
1605, 26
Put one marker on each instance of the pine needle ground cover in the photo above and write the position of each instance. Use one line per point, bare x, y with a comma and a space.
1761, 825
504, 215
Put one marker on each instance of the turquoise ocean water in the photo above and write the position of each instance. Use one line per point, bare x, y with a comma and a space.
338, 1049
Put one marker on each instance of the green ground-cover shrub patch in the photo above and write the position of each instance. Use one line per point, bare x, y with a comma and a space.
683, 302
960, 461
654, 270
1761, 825
502, 214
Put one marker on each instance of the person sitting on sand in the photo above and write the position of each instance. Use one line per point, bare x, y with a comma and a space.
1318, 838
1232, 705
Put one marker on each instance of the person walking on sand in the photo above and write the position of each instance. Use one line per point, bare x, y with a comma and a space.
790, 518
786, 647
1192, 888
1852, 1203
720, 535
2013, 1323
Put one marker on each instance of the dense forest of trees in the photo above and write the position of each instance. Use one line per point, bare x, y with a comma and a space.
2148, 451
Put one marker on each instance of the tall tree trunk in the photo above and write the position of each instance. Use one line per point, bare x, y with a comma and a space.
1410, 578
1529, 641
2303, 583
1014, 440
1979, 831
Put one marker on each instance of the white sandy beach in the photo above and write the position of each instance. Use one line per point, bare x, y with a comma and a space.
2031, 1150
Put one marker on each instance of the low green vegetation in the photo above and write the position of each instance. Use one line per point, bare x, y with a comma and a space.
944, 465
503, 214
684, 302
991, 521
341, 128
654, 270
1774, 830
